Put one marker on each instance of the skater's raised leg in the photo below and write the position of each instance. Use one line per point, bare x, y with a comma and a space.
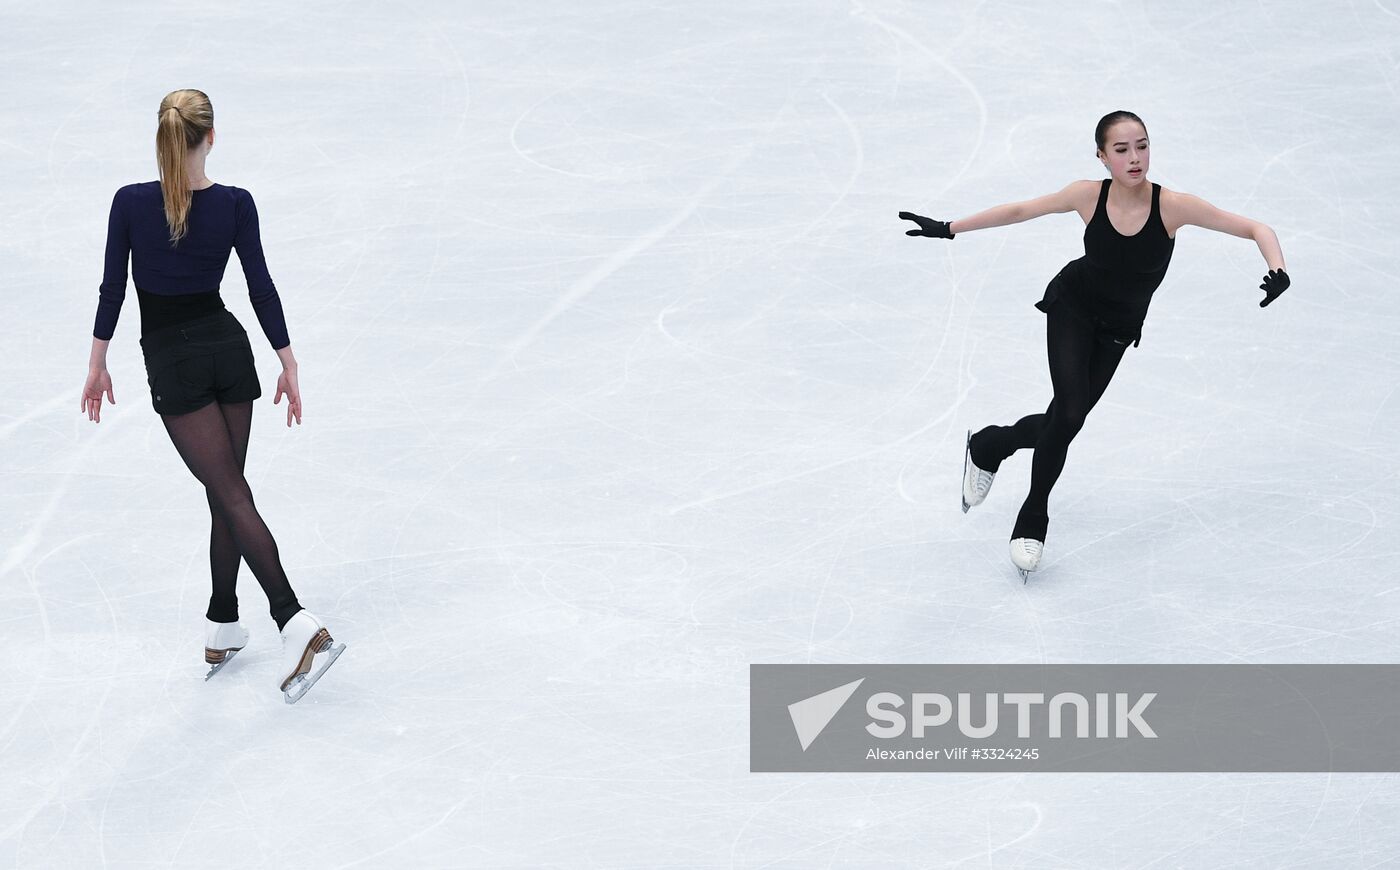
992, 445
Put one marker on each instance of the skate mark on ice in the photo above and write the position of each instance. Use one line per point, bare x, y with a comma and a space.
992, 850
55, 780
821, 593
37, 411
47, 645
411, 837
859, 11
589, 282
779, 799
859, 164
837, 463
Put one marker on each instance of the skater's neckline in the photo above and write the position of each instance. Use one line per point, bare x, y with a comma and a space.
212, 185
1150, 209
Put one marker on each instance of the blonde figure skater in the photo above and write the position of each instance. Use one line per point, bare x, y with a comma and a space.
1094, 307
178, 232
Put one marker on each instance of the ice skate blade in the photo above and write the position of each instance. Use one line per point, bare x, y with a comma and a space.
302, 683
319, 643
217, 660
967, 457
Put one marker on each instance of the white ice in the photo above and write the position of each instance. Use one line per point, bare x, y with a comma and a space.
620, 374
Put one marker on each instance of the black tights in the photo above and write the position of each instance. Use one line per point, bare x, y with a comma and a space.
1081, 366
213, 442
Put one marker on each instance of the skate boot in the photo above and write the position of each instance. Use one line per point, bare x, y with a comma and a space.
1025, 554
1028, 540
976, 482
303, 639
222, 640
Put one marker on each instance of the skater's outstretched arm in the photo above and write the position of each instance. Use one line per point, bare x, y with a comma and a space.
1059, 202
1188, 210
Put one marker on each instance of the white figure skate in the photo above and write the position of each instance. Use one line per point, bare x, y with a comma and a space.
976, 482
222, 640
303, 639
1025, 554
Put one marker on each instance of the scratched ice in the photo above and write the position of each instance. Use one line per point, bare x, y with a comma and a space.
620, 375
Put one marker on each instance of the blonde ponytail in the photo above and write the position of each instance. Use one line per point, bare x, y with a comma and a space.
184, 119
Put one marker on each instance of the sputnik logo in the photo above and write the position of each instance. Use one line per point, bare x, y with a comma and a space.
810, 716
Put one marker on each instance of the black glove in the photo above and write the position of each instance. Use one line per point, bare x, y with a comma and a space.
927, 226
1274, 284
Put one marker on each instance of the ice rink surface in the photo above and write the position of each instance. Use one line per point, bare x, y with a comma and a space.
620, 374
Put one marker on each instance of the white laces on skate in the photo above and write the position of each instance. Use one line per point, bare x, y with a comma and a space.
982, 482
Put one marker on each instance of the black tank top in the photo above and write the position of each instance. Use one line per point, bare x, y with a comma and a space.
1113, 282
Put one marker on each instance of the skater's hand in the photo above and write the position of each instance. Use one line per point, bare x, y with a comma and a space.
1274, 284
287, 386
98, 382
927, 226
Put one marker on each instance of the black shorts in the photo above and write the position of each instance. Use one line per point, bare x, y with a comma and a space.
200, 361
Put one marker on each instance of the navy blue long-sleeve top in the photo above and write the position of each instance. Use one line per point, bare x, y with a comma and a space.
221, 219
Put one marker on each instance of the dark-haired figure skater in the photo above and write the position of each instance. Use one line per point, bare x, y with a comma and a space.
178, 232
1094, 307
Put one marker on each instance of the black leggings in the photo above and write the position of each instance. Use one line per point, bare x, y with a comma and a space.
213, 442
1082, 362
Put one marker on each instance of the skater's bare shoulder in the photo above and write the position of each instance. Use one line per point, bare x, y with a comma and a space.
1183, 209
1080, 196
